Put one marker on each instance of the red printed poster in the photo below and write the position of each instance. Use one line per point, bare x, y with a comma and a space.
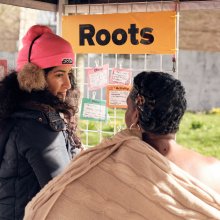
3, 69
97, 77
117, 96
120, 76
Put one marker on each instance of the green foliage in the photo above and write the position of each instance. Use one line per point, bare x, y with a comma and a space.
196, 124
198, 131
201, 132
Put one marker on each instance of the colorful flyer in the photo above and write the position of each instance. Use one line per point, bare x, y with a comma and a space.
97, 77
3, 69
93, 110
120, 76
117, 96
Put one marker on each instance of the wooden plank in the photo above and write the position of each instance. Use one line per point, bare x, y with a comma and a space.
31, 4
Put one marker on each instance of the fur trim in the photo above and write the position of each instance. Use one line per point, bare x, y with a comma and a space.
31, 77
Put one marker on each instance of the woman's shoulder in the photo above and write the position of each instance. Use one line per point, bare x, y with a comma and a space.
33, 130
209, 172
34, 117
26, 116
204, 168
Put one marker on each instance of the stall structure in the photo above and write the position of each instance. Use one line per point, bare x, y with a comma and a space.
114, 41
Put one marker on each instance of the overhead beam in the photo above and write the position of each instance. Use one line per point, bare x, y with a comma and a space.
139, 7
31, 4
109, 8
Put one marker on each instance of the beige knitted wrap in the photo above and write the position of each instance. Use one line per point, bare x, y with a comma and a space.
124, 178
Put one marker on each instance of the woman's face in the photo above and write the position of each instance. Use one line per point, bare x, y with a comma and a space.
58, 81
131, 114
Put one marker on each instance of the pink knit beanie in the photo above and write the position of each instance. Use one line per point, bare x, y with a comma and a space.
41, 49
46, 48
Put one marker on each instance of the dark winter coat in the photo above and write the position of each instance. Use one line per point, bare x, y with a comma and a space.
34, 148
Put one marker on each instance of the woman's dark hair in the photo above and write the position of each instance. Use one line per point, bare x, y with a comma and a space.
12, 98
162, 102
69, 108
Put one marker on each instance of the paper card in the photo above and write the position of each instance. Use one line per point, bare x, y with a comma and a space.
117, 96
97, 77
94, 110
120, 76
3, 69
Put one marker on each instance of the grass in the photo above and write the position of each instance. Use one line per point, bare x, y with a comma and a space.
198, 131
201, 132
98, 130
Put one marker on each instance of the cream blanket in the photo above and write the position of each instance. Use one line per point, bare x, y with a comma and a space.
124, 178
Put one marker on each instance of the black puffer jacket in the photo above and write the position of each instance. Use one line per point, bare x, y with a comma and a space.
34, 148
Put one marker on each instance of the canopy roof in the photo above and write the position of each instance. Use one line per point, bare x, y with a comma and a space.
52, 5
103, 1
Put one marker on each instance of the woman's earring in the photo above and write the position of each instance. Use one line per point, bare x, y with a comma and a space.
134, 125
131, 126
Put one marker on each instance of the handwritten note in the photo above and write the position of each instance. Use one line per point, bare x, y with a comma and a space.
94, 110
117, 96
120, 76
97, 77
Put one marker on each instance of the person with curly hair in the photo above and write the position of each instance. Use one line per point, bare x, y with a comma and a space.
39, 101
156, 104
140, 173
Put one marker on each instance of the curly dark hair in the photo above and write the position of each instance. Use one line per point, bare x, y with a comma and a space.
160, 99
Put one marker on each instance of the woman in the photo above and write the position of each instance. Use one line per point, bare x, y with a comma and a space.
157, 104
127, 176
37, 124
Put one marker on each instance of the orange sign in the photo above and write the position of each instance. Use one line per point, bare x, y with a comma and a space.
131, 33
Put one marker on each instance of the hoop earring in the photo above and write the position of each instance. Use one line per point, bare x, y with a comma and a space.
134, 125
